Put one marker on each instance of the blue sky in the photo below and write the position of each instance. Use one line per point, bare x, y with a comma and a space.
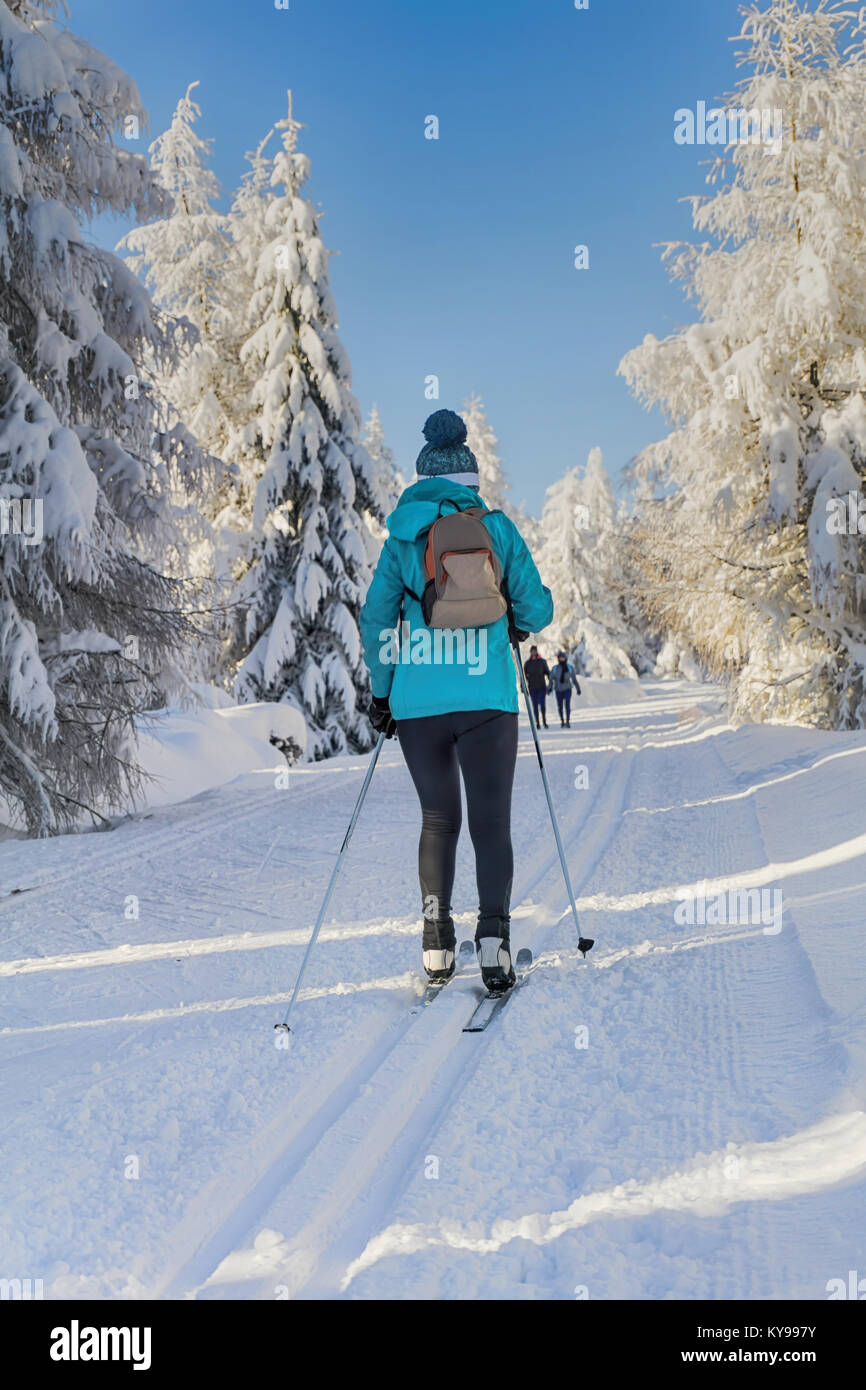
456, 255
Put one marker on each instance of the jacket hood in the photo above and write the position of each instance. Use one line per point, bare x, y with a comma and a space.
418, 506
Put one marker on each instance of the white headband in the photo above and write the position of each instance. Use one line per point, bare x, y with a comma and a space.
467, 479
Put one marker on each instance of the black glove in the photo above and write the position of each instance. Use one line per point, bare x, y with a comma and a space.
577, 686
516, 634
380, 716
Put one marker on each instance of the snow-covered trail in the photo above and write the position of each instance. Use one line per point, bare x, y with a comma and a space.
682, 1115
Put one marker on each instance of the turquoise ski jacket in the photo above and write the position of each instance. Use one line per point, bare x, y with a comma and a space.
427, 671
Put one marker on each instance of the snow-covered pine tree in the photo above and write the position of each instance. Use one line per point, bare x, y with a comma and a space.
736, 544
232, 522
297, 639
90, 633
578, 561
186, 258
387, 476
189, 263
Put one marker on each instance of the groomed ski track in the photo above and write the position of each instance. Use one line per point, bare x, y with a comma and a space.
681, 1115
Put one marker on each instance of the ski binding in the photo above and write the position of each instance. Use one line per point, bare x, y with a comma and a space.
435, 987
492, 1003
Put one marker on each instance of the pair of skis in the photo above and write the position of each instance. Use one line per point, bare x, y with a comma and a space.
490, 1004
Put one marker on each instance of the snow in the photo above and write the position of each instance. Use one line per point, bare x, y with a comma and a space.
24, 673
87, 640
211, 696
10, 173
679, 1116
33, 68
774, 1171
187, 752
51, 225
595, 694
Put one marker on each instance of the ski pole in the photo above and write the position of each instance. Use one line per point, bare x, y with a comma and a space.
584, 944
284, 1026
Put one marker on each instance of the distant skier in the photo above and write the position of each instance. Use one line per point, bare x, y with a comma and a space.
562, 680
537, 674
454, 715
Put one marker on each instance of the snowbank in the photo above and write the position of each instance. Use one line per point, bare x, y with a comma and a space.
191, 751
596, 694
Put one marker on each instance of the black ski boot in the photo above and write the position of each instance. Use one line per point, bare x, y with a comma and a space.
438, 949
493, 947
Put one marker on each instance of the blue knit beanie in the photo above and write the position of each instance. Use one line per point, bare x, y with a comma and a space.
445, 451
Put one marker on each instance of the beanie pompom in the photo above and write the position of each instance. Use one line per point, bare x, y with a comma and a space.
444, 428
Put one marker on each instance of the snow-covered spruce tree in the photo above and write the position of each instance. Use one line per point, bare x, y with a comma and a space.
736, 542
91, 633
387, 476
297, 637
187, 262
232, 522
578, 561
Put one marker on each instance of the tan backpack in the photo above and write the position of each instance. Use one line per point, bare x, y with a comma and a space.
464, 576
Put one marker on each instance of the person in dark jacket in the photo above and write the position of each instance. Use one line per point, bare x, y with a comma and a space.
562, 679
537, 674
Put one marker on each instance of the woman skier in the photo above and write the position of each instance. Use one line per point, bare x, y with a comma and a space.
562, 678
453, 716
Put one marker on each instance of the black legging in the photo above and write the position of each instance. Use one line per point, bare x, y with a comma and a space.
482, 744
